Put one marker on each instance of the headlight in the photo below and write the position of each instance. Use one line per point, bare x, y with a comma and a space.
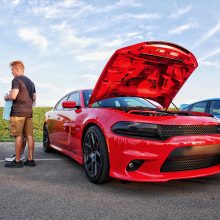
136, 129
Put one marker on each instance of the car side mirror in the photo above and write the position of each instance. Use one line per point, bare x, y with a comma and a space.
69, 104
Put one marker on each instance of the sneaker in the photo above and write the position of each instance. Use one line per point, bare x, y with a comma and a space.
29, 163
14, 164
12, 157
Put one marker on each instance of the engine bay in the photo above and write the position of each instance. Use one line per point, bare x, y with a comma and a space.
152, 112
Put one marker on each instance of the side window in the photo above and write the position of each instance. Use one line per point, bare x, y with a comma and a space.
215, 108
199, 107
74, 97
187, 108
86, 96
59, 106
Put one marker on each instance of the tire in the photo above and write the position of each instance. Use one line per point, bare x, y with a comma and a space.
95, 155
46, 141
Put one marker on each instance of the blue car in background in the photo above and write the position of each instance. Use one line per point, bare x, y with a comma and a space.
211, 106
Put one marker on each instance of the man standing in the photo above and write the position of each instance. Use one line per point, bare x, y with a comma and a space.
23, 95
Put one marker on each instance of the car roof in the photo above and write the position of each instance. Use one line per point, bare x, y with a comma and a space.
210, 99
204, 100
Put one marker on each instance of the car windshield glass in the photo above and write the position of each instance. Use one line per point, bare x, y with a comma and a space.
118, 102
124, 102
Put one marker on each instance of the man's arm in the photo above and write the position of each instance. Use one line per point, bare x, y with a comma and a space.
34, 98
12, 95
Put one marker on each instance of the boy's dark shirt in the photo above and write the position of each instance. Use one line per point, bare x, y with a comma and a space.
22, 105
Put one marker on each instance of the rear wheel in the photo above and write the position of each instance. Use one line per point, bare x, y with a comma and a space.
95, 154
46, 141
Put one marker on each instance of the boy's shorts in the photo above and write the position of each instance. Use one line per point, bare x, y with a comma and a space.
21, 126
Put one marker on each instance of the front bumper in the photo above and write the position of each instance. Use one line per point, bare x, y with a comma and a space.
202, 153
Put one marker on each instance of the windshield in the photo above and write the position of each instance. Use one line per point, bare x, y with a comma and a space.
119, 102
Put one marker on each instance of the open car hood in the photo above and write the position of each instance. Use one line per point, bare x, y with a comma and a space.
152, 70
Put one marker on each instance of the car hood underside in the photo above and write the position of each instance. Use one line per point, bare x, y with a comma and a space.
152, 70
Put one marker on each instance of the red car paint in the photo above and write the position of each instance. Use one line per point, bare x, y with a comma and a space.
157, 76
152, 70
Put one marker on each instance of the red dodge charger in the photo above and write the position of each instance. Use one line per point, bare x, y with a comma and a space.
117, 130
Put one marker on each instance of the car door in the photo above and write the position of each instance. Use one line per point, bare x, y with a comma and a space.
215, 108
199, 107
56, 125
73, 125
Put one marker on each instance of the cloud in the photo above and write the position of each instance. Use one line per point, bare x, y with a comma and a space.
94, 56
180, 12
117, 5
131, 34
48, 86
69, 3
117, 42
63, 9
59, 26
147, 27
149, 16
210, 54
211, 32
5, 80
90, 49
69, 39
10, 4
15, 2
85, 48
209, 63
205, 62
33, 36
77, 8
183, 28
90, 77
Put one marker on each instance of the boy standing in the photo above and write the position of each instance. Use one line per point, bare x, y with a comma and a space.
23, 95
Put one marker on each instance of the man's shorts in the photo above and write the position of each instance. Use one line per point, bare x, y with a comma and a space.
21, 126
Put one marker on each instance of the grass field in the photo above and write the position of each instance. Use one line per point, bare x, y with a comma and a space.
38, 118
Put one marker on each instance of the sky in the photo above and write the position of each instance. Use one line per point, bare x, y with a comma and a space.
66, 44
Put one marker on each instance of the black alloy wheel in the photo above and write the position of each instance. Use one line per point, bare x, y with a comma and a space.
95, 154
46, 141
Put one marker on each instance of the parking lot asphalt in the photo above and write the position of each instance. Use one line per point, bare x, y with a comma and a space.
57, 188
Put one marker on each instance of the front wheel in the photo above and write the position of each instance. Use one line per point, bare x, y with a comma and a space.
95, 154
46, 141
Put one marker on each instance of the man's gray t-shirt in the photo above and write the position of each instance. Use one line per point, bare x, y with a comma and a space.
22, 105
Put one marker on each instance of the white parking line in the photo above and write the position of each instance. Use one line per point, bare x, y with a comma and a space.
47, 159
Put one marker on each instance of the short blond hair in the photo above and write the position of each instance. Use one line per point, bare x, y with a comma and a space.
17, 63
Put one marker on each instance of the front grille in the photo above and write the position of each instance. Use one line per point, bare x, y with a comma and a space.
166, 131
190, 163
